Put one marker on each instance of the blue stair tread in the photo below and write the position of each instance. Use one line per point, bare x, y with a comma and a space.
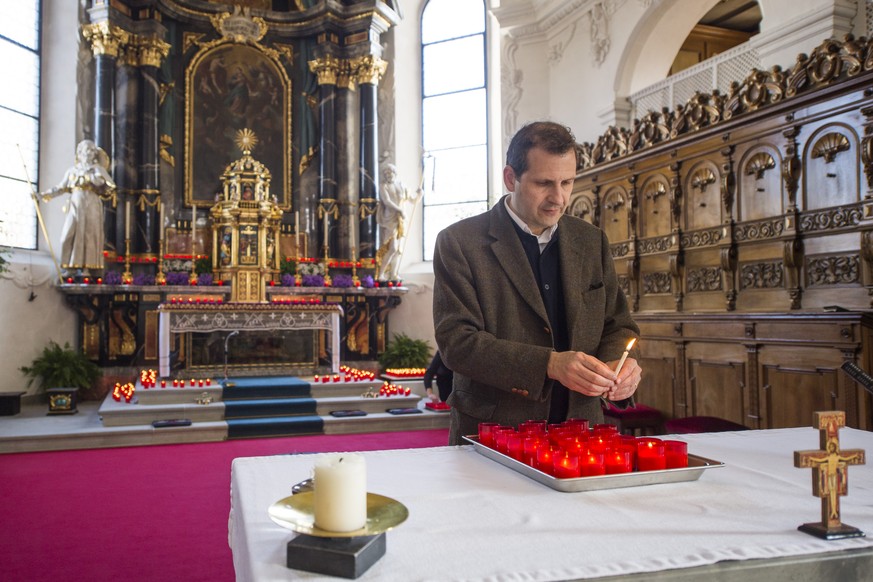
276, 407
258, 381
264, 387
274, 426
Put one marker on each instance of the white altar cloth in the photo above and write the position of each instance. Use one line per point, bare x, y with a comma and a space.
471, 518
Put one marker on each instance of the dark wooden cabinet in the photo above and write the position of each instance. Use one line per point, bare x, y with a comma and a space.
764, 370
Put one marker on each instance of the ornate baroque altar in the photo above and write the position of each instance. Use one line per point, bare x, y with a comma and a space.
175, 89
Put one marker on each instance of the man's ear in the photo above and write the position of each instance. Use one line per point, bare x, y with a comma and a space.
509, 178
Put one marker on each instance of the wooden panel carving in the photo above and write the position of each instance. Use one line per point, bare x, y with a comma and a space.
760, 186
703, 205
832, 176
740, 209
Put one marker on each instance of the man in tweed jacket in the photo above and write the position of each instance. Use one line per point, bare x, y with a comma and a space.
527, 308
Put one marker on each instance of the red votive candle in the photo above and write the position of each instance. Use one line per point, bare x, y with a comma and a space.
515, 445
676, 454
500, 438
650, 455
533, 427
592, 464
605, 429
618, 461
579, 425
566, 466
530, 446
545, 455
486, 433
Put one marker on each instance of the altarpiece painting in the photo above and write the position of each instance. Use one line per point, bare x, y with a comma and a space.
230, 87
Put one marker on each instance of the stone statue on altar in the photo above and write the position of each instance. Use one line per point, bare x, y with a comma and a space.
390, 217
88, 182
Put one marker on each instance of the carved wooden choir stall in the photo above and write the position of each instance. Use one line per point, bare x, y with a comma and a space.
742, 231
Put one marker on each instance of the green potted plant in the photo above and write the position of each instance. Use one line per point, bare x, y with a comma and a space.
62, 372
404, 352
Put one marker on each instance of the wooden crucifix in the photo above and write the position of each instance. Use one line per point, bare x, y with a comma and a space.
830, 476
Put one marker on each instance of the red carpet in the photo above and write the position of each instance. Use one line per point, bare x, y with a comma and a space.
140, 513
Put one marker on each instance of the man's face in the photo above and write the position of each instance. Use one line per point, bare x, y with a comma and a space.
542, 193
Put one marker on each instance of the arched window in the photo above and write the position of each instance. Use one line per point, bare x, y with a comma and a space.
454, 114
19, 118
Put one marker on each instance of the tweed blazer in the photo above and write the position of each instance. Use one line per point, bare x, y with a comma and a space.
491, 324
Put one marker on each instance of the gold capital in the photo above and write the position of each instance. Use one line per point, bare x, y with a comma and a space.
152, 51
105, 39
369, 69
327, 68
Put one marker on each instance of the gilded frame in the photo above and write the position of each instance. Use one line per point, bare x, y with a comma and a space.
230, 86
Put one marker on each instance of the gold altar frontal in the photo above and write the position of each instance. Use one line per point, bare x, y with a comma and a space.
245, 317
245, 227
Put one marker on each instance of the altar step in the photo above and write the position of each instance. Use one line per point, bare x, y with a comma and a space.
258, 407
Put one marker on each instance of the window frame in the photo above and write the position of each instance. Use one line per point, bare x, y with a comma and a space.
485, 199
32, 173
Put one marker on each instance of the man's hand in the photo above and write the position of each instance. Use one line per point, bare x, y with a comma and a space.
628, 380
583, 373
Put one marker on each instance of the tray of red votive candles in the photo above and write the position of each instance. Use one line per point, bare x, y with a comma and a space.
570, 457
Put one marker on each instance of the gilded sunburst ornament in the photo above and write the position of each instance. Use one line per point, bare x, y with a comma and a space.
246, 140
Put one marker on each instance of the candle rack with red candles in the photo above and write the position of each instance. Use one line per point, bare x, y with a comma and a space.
600, 450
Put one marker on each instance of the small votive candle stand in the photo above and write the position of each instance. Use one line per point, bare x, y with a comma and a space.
339, 505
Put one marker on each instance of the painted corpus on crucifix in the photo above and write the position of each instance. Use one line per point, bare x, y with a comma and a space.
830, 467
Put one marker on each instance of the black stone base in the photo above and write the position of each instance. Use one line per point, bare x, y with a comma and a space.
343, 557
10, 403
818, 530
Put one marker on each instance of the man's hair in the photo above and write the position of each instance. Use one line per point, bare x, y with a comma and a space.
550, 136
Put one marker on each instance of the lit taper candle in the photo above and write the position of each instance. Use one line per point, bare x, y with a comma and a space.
627, 350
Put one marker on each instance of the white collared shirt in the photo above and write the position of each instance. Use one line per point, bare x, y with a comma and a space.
543, 238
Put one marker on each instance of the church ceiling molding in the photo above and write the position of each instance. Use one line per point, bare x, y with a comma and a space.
833, 61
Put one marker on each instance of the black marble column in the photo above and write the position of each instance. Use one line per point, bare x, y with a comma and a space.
147, 228
326, 68
327, 184
369, 172
127, 136
104, 130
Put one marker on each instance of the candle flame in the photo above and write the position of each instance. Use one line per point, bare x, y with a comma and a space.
630, 344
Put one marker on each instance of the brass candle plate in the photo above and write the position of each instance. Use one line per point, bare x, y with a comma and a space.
297, 513
692, 472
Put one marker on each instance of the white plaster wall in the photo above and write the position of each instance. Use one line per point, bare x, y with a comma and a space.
29, 324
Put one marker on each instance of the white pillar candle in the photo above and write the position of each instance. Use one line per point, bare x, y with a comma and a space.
193, 233
340, 492
127, 220
160, 220
325, 229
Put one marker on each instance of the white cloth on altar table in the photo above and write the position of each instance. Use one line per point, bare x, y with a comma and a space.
471, 518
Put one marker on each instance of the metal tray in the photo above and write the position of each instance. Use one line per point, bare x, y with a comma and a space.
695, 468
